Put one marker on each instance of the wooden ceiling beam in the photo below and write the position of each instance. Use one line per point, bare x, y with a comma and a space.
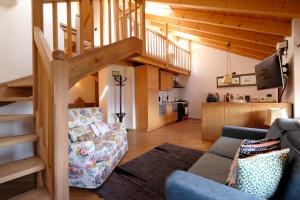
235, 50
236, 42
268, 26
283, 8
250, 36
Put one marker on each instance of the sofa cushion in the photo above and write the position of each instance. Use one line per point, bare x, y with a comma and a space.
226, 147
213, 167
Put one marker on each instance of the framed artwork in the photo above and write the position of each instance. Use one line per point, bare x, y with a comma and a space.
235, 82
248, 79
241, 80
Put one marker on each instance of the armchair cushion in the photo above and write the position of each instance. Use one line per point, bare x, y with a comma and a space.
182, 186
244, 133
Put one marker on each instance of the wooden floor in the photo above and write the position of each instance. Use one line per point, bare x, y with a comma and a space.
186, 133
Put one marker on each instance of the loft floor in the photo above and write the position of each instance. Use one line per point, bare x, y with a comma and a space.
186, 133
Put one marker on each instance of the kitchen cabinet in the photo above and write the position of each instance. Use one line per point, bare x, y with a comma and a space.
166, 81
148, 109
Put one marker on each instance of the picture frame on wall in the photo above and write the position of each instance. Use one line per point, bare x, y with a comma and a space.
241, 80
221, 84
248, 79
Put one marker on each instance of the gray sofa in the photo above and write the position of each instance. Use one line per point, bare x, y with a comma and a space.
206, 179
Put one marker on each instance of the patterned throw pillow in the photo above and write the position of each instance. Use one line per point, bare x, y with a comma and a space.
248, 141
260, 174
95, 129
102, 127
80, 133
250, 148
254, 149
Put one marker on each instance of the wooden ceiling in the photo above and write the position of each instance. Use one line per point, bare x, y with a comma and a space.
252, 27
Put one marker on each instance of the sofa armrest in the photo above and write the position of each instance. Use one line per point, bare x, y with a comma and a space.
244, 133
183, 185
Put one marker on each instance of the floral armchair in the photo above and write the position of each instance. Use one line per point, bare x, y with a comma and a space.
92, 161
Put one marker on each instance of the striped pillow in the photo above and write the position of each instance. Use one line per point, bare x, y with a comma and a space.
259, 148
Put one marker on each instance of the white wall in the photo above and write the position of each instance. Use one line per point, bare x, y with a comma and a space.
207, 64
109, 94
15, 40
84, 89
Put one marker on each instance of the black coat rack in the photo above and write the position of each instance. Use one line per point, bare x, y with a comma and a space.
120, 82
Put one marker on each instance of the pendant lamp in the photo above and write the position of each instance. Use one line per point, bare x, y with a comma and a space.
228, 77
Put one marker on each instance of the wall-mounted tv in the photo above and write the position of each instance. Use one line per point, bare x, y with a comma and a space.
269, 73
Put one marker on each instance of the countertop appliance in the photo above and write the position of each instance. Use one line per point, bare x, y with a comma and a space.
182, 109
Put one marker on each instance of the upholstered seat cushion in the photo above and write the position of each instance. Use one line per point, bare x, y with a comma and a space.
108, 145
226, 147
213, 167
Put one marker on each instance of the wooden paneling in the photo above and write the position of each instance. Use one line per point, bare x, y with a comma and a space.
153, 108
262, 25
153, 77
217, 115
213, 120
250, 36
166, 81
238, 115
286, 8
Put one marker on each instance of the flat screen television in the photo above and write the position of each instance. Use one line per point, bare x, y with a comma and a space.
269, 73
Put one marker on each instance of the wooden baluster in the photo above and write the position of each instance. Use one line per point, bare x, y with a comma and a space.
101, 28
190, 54
69, 30
124, 20
92, 25
136, 32
116, 19
109, 22
143, 23
167, 41
130, 18
55, 25
81, 27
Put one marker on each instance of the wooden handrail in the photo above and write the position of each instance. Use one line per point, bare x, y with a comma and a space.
89, 62
43, 48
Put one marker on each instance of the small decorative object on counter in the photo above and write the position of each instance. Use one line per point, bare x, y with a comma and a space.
247, 98
212, 98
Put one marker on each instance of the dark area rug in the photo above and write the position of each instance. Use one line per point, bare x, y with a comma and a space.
144, 177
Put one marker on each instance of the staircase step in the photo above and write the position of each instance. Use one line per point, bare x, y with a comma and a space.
36, 194
20, 168
12, 140
14, 99
6, 118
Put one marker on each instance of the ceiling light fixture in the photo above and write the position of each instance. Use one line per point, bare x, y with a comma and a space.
228, 77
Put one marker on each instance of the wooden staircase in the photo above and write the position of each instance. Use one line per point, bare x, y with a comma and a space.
54, 72
11, 92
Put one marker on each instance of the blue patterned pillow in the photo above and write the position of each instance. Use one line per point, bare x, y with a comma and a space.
260, 174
